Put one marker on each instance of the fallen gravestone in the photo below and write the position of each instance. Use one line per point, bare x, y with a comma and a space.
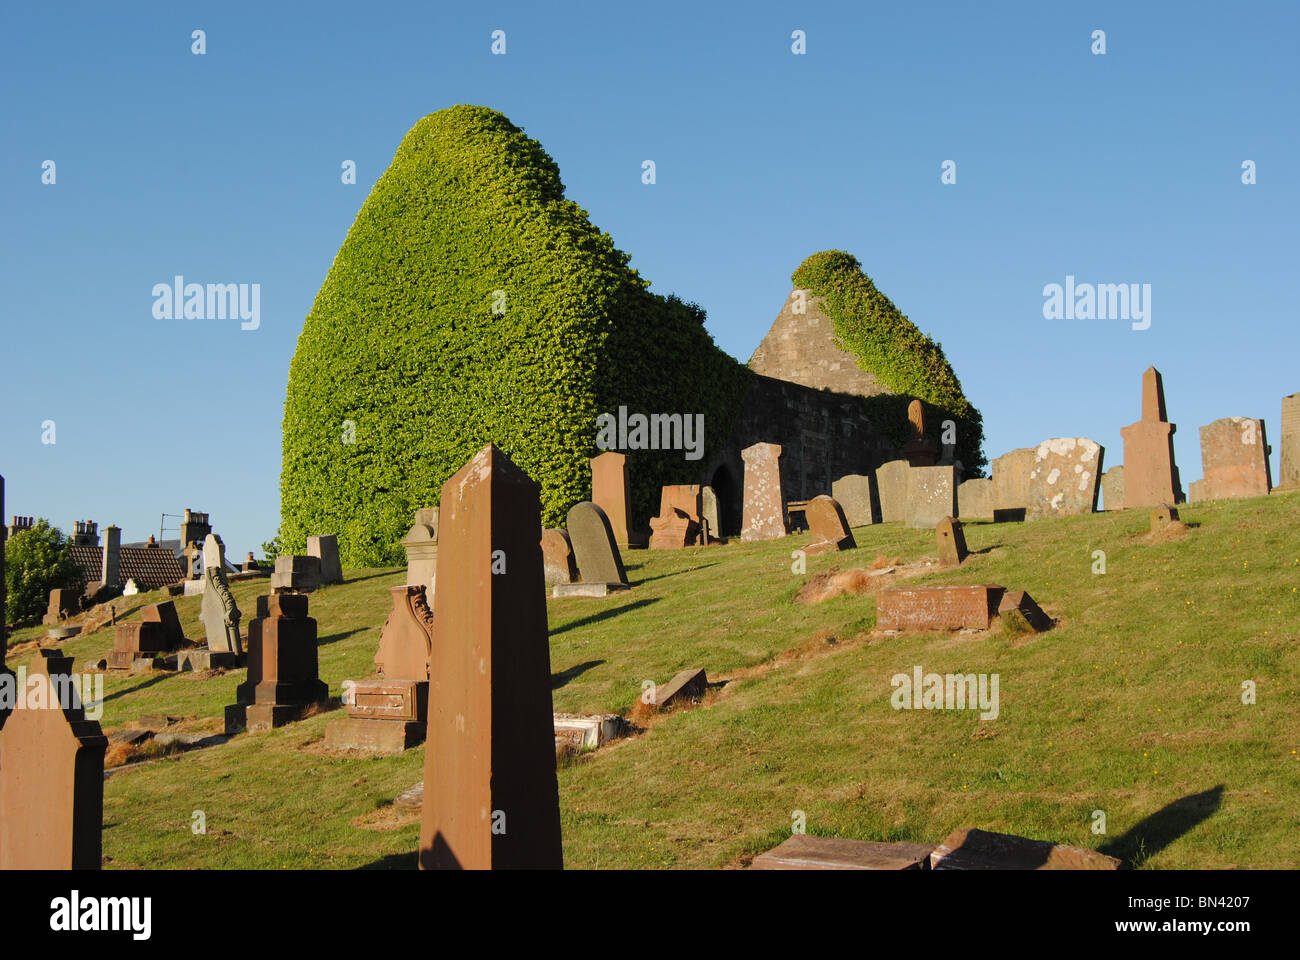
686, 686
1234, 461
136, 641
1020, 614
763, 511
51, 777
600, 567
1150, 474
283, 680
558, 565
855, 494
984, 850
937, 608
803, 852
492, 800
830, 528
325, 548
952, 542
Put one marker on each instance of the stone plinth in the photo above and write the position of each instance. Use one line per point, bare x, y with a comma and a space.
764, 515
491, 796
951, 540
283, 676
300, 573
325, 548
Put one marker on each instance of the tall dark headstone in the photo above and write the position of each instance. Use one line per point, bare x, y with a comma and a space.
491, 797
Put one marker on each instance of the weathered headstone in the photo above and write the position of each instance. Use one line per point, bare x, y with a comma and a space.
1150, 473
594, 549
709, 511
1018, 610
856, 496
326, 548
764, 502
110, 559
1234, 460
920, 450
1011, 483
975, 499
51, 776
283, 679
830, 529
1288, 476
421, 545
389, 715
891, 487
804, 852
984, 850
1112, 488
931, 495
1064, 478
491, 795
952, 542
558, 565
680, 520
610, 491
64, 602
686, 686
937, 608
219, 613
296, 572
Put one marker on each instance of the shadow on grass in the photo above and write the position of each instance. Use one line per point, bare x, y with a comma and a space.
336, 637
1152, 834
564, 676
675, 573
395, 861
139, 686
370, 576
604, 615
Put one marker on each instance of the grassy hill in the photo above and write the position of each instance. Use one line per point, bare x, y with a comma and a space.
1131, 705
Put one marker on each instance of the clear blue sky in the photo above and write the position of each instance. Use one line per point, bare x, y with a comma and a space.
1122, 168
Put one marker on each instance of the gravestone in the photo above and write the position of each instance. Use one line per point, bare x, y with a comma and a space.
937, 608
325, 547
931, 495
1150, 473
64, 602
709, 511
296, 572
1288, 476
984, 850
558, 565
4, 597
891, 488
1234, 460
110, 558
920, 450
763, 512
389, 715
491, 797
1112, 488
1011, 483
1162, 517
136, 641
828, 525
165, 614
283, 680
680, 522
686, 686
421, 545
952, 542
130, 589
1064, 479
804, 852
610, 492
855, 496
1018, 611
594, 548
218, 612
975, 499
51, 777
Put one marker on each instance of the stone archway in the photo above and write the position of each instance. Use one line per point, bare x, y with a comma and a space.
726, 485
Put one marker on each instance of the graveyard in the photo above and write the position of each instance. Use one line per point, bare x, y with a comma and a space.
1131, 704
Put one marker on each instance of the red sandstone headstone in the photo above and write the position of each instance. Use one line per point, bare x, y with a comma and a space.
491, 795
1234, 460
1019, 611
51, 778
952, 542
829, 526
406, 641
1288, 478
1150, 474
921, 450
165, 614
558, 564
937, 608
764, 516
134, 641
610, 492
891, 488
283, 673
680, 522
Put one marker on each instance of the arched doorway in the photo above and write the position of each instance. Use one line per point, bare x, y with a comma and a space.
730, 500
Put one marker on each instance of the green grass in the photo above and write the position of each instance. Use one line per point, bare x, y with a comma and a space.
1132, 706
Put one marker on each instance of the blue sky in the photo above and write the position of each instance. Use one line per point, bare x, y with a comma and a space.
225, 167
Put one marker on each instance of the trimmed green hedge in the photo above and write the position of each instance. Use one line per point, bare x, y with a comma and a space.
904, 360
403, 344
